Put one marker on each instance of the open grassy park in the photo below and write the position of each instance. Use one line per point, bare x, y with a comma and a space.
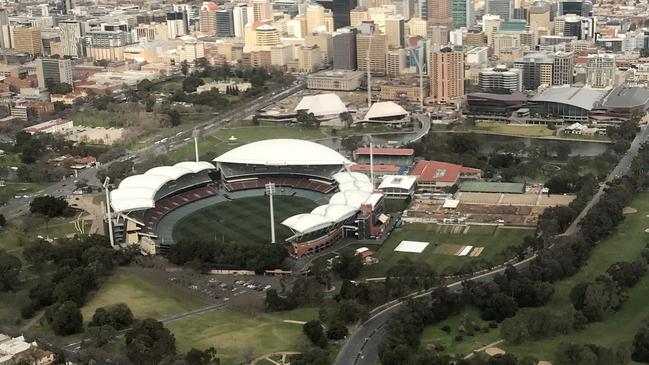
524, 130
624, 245
243, 220
442, 241
234, 333
231, 332
218, 142
143, 297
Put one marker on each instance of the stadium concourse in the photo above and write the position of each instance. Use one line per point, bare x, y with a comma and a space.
145, 207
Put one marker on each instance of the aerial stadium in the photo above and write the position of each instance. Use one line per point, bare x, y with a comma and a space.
317, 200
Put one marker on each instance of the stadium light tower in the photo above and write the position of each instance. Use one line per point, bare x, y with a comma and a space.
270, 189
195, 134
108, 213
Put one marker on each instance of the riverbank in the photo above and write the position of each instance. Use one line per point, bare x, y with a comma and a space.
547, 138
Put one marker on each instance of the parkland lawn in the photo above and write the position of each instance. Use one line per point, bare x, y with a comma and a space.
625, 244
234, 333
146, 300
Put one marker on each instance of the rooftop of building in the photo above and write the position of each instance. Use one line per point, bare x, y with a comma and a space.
626, 97
492, 187
581, 97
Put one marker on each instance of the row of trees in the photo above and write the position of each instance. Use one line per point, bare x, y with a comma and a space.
203, 254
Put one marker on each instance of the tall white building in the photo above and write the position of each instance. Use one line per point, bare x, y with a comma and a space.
240, 19
71, 38
600, 70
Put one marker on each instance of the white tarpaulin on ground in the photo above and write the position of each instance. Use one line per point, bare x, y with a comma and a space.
466, 250
411, 246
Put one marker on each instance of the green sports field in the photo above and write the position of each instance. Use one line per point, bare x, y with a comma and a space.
444, 240
242, 220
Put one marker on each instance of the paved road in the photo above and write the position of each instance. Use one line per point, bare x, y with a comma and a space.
361, 348
620, 169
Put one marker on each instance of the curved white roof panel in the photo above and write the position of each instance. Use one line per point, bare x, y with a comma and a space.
283, 152
138, 192
385, 109
351, 198
144, 181
307, 222
322, 104
356, 185
346, 176
132, 193
172, 172
195, 166
125, 205
335, 212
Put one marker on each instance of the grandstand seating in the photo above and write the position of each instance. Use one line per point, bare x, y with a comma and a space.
293, 182
165, 205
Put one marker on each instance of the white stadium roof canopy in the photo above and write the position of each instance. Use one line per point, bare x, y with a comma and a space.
336, 212
307, 222
321, 105
347, 176
283, 152
138, 192
385, 109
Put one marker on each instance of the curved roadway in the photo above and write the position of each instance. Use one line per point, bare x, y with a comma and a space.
361, 347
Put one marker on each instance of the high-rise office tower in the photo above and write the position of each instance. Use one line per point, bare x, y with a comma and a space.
563, 67
262, 10
314, 18
344, 48
49, 70
207, 20
536, 70
502, 8
371, 50
5, 32
600, 70
358, 15
27, 40
340, 10
422, 9
417, 27
240, 19
490, 26
71, 36
225, 22
538, 15
177, 24
439, 13
446, 75
576, 7
463, 13
395, 30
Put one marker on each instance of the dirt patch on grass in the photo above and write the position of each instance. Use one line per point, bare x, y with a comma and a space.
629, 210
493, 351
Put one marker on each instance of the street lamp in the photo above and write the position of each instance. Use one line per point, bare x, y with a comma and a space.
109, 216
270, 189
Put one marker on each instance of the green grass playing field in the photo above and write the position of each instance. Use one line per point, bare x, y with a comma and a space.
493, 240
242, 220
